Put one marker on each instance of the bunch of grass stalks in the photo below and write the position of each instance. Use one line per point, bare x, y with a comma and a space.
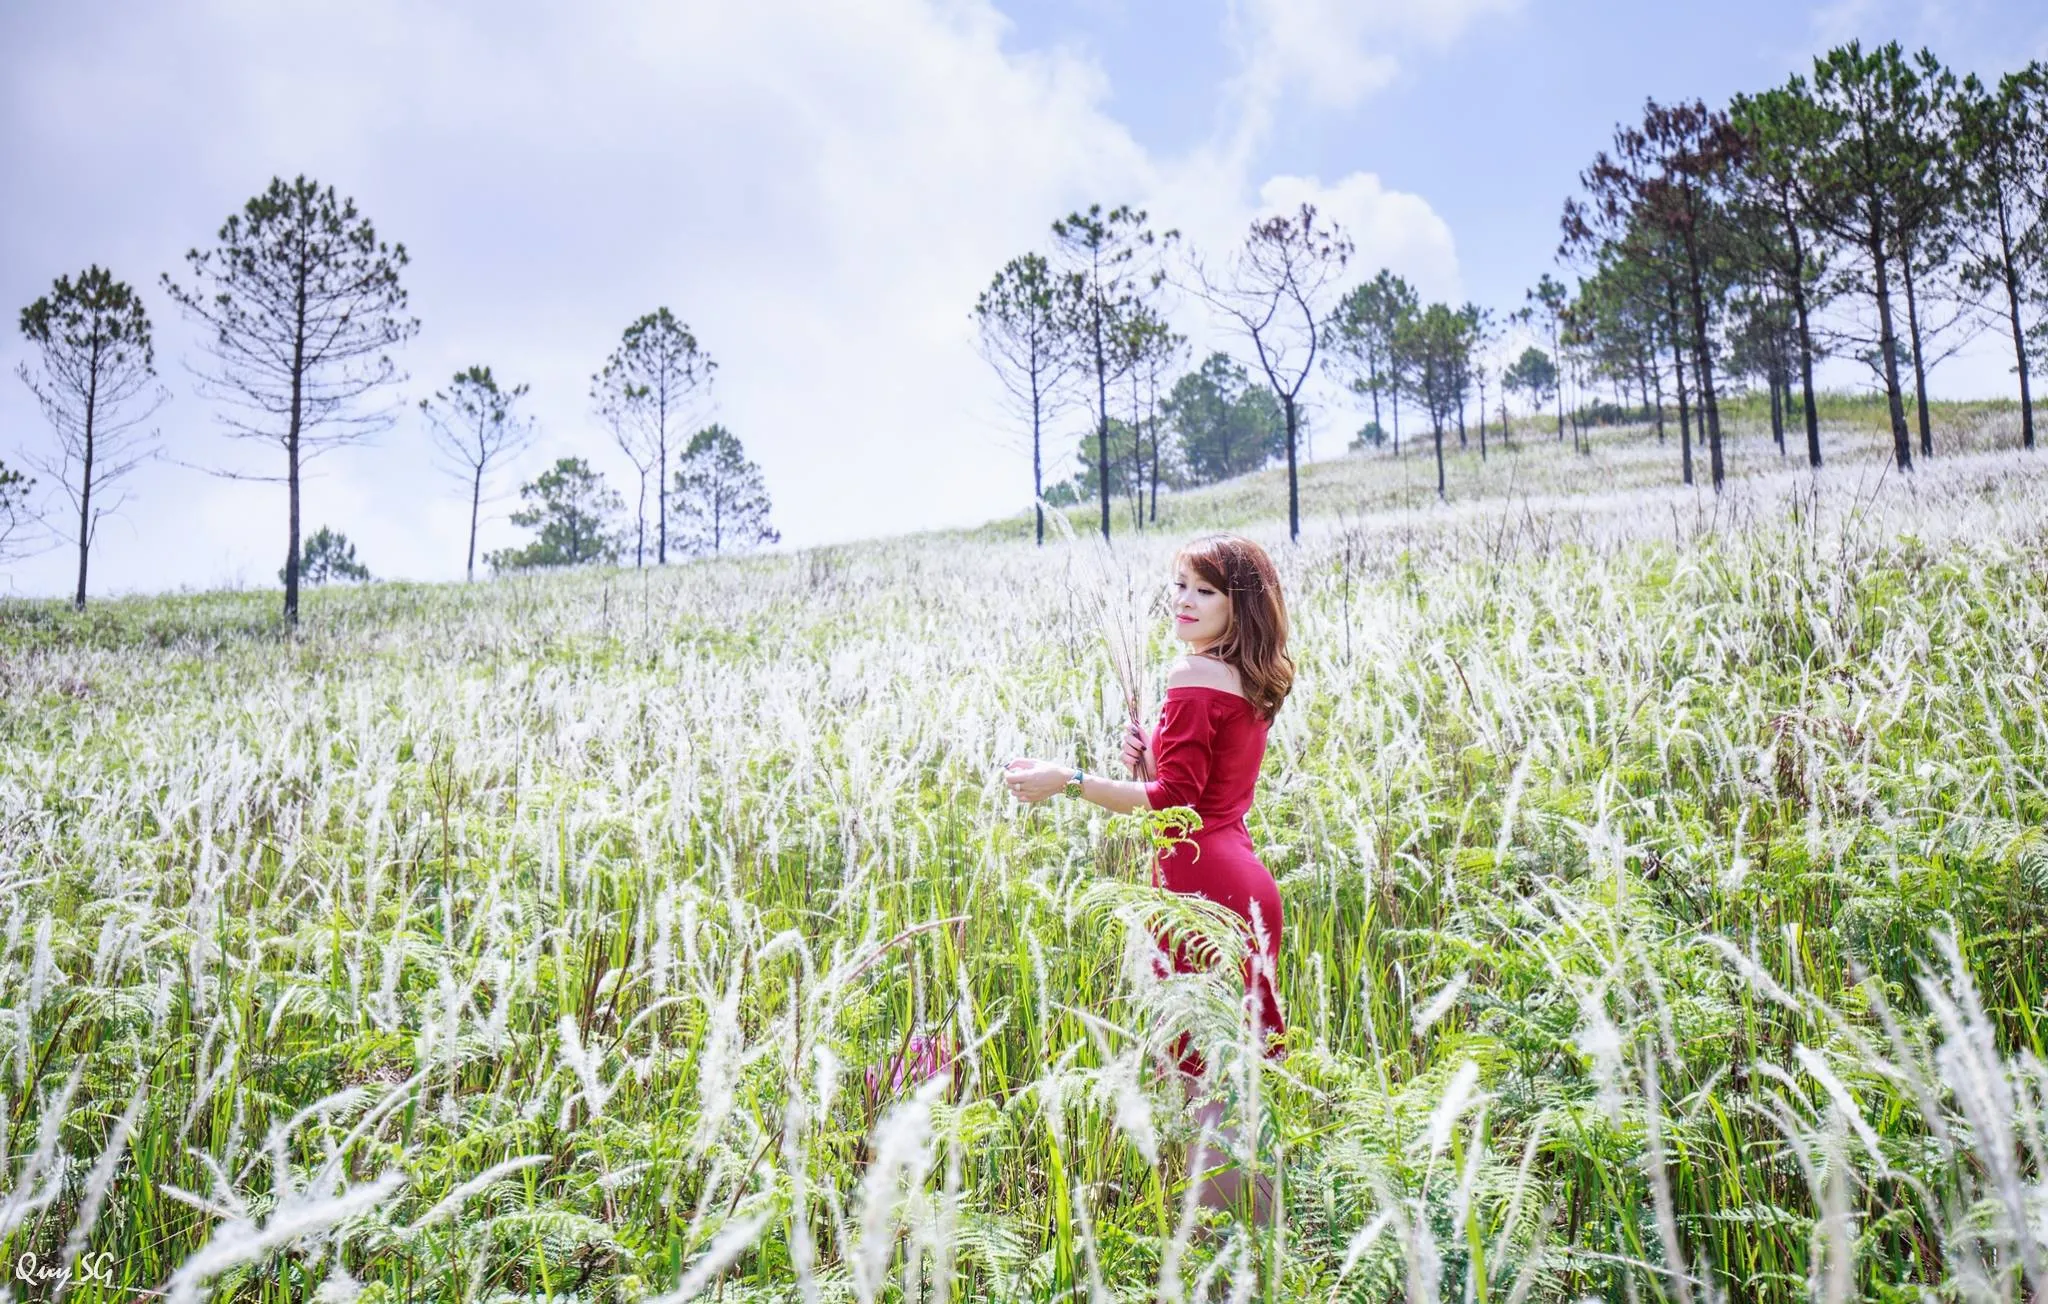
1126, 612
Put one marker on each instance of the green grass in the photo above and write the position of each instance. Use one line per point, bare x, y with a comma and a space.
1674, 797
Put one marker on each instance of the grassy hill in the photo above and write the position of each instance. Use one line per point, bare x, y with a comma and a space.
1664, 880
1854, 432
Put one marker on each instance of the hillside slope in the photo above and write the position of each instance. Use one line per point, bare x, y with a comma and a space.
1664, 879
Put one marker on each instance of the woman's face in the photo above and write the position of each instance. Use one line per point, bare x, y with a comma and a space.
1201, 611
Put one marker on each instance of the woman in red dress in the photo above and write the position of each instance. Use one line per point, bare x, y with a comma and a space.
1205, 753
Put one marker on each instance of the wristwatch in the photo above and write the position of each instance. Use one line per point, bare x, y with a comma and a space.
1073, 787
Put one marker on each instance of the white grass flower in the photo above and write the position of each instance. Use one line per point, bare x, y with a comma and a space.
902, 1145
1446, 997
733, 1240
1600, 1042
448, 1204
1459, 1094
296, 1216
43, 972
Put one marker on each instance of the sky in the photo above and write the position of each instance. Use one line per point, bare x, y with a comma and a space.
819, 189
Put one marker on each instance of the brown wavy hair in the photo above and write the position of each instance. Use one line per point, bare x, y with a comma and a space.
1255, 640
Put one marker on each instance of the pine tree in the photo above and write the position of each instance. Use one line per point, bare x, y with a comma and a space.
644, 392
1110, 256
575, 513
1027, 320
97, 360
720, 499
302, 304
328, 555
474, 429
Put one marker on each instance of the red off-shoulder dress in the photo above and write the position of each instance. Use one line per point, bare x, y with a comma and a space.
1206, 751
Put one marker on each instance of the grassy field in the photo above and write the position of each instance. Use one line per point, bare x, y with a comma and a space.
1854, 432
1664, 880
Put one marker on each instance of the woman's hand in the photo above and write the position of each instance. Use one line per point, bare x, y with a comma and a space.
1137, 751
1032, 781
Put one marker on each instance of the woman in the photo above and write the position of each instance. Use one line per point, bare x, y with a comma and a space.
1206, 750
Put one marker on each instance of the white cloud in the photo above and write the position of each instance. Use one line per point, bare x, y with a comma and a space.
820, 190
1320, 47
1388, 228
1335, 52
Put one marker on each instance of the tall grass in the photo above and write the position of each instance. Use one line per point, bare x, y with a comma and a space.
1663, 881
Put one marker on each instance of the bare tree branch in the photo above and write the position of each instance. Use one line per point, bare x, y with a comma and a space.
1275, 291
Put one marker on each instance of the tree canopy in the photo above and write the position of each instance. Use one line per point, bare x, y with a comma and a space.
96, 385
329, 555
575, 514
721, 500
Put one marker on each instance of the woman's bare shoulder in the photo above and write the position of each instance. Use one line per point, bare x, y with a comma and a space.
1190, 671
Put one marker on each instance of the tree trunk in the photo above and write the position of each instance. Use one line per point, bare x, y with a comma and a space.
1153, 509
1557, 356
1152, 424
1656, 378
1576, 409
1805, 381
1913, 338
476, 497
1482, 420
1037, 462
1293, 485
1703, 366
92, 400
1684, 406
1805, 352
1439, 428
1777, 409
1397, 423
291, 452
1710, 412
1643, 366
640, 512
1887, 345
661, 476
1137, 457
2019, 335
1102, 426
1461, 423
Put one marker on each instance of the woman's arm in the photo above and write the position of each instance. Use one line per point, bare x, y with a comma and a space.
1118, 796
1177, 774
1032, 781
